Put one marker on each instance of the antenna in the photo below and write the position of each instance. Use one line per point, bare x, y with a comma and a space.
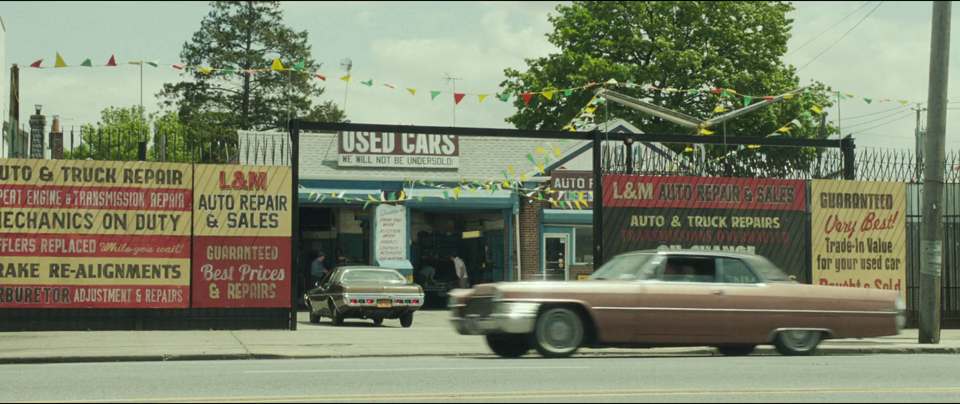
346, 64
450, 79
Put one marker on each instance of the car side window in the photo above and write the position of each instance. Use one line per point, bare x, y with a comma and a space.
327, 280
689, 269
735, 271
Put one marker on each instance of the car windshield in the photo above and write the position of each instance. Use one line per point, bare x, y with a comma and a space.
372, 276
768, 270
623, 267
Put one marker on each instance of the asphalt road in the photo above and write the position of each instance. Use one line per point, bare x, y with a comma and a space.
875, 378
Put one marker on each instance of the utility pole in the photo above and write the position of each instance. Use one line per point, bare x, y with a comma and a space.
932, 237
918, 149
454, 81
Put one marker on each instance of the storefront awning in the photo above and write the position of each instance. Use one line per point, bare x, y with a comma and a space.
567, 216
481, 199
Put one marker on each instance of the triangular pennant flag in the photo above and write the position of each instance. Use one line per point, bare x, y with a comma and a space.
446, 195
206, 70
568, 92
788, 96
178, 66
345, 78
816, 109
784, 129
530, 157
503, 97
277, 66
541, 168
903, 102
556, 151
154, 64
229, 71
368, 83
300, 65
321, 77
457, 97
768, 98
390, 86
688, 149
747, 100
540, 150
867, 100
456, 193
510, 170
59, 62
716, 90
719, 109
753, 146
392, 196
433, 95
36, 64
548, 94
706, 132
412, 91
527, 97
482, 97
87, 63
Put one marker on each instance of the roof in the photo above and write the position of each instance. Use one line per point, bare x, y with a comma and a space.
706, 253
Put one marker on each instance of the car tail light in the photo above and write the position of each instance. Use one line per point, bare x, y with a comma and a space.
399, 301
416, 301
353, 301
369, 301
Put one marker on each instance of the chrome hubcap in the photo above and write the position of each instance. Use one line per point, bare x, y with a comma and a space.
559, 331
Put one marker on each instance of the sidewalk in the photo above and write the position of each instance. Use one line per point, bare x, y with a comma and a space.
431, 335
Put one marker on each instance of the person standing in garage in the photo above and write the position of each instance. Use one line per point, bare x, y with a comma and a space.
461, 270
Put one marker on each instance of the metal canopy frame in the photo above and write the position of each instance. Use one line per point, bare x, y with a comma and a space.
296, 126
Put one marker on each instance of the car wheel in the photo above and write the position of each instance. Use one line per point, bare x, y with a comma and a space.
508, 345
406, 320
736, 350
335, 317
558, 333
797, 342
378, 322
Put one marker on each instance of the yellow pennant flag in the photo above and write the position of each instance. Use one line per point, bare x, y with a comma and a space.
556, 151
788, 96
456, 193
60, 62
523, 177
590, 109
719, 109
412, 91
277, 66
206, 70
548, 94
688, 149
706, 132
753, 146
510, 169
785, 129
482, 96
540, 150
541, 168
904, 102
816, 109
506, 185
345, 78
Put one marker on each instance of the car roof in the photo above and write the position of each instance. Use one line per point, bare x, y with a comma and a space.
366, 268
701, 253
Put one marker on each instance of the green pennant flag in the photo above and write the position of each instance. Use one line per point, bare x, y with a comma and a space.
747, 100
87, 63
568, 92
300, 65
724, 93
503, 97
392, 196
446, 195
867, 100
154, 64
693, 92
433, 95
229, 71
532, 160
368, 83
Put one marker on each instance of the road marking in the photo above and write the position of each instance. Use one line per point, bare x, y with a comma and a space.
413, 369
526, 395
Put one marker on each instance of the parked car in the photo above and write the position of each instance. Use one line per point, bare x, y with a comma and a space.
651, 299
364, 292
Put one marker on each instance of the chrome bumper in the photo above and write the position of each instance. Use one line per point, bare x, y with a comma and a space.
507, 318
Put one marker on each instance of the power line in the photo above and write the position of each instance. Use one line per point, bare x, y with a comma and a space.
876, 113
810, 41
841, 37
886, 123
897, 115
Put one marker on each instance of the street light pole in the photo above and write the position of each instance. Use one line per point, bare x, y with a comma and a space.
932, 239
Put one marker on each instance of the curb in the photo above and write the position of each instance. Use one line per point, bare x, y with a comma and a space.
825, 351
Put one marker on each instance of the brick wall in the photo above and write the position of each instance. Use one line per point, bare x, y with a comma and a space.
530, 238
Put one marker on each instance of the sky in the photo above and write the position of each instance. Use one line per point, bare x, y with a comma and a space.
419, 44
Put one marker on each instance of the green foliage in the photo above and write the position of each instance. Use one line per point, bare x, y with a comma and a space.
678, 44
115, 137
240, 36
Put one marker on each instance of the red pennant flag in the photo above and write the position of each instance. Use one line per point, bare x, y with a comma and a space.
717, 90
322, 77
112, 61
527, 97
768, 98
36, 64
457, 97
178, 67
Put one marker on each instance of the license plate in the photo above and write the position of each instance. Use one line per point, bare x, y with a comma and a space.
384, 304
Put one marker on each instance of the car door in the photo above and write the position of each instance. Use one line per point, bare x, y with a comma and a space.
747, 302
681, 304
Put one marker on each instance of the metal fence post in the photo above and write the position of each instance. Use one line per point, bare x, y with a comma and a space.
294, 129
597, 200
848, 148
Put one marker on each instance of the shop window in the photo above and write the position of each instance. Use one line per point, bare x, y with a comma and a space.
583, 253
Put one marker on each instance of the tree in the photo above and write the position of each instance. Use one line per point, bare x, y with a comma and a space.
675, 44
235, 37
116, 136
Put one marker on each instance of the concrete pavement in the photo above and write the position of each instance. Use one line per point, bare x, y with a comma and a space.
431, 335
